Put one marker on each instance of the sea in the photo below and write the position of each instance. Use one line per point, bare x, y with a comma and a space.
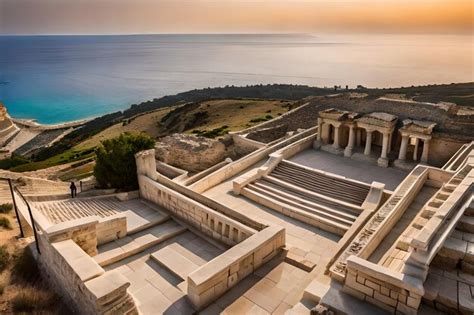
56, 79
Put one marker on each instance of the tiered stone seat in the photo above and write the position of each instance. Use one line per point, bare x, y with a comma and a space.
179, 260
321, 182
136, 243
324, 200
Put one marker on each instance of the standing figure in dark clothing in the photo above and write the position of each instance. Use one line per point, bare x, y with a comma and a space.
73, 190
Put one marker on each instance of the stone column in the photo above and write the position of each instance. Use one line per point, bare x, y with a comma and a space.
390, 136
384, 146
368, 142
415, 151
426, 150
402, 155
320, 129
336, 137
359, 137
350, 143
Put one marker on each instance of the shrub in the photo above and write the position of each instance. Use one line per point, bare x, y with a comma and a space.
29, 299
115, 164
13, 161
6, 208
4, 257
5, 223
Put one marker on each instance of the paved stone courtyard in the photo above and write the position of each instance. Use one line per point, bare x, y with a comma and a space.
358, 170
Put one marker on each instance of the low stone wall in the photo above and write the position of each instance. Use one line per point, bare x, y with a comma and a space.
223, 272
205, 219
379, 225
84, 285
82, 231
111, 228
385, 288
191, 180
168, 170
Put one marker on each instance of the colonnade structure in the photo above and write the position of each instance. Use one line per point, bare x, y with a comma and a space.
412, 132
343, 132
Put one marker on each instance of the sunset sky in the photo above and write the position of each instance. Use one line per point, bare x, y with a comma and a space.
234, 16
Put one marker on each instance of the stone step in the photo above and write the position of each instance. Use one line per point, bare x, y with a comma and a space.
312, 208
137, 223
296, 213
311, 195
327, 189
307, 200
178, 260
133, 244
320, 178
466, 224
454, 253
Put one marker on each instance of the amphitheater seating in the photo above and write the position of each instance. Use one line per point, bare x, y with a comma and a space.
321, 199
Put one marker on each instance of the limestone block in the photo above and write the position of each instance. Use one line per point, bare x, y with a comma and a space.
385, 299
466, 300
405, 309
447, 293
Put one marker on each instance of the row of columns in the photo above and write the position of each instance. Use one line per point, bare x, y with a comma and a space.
404, 148
356, 136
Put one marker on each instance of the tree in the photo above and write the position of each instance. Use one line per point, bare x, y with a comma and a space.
115, 163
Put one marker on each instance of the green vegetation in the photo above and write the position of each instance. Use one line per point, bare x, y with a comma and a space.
65, 157
4, 257
216, 132
261, 119
6, 208
115, 164
13, 161
5, 223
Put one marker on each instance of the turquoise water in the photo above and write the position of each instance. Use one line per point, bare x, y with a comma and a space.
62, 78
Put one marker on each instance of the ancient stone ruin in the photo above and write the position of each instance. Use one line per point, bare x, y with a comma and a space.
357, 213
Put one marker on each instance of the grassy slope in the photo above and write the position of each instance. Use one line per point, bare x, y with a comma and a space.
236, 114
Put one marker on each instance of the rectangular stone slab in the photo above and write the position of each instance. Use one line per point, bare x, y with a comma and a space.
175, 262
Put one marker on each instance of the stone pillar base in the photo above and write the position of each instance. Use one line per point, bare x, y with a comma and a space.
382, 162
404, 164
317, 144
348, 152
329, 148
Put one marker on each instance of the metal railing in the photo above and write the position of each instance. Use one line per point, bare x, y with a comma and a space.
14, 189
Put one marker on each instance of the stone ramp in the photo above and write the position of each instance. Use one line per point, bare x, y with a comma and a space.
135, 243
178, 260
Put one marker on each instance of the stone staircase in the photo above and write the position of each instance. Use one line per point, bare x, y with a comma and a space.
138, 242
457, 252
329, 185
323, 200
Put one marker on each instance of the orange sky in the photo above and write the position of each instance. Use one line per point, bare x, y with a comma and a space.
234, 16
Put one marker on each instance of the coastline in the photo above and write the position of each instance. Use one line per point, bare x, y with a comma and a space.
33, 124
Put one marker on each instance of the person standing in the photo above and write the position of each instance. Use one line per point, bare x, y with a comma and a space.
73, 190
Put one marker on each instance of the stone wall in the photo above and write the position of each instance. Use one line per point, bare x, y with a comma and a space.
389, 290
222, 273
84, 285
203, 218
